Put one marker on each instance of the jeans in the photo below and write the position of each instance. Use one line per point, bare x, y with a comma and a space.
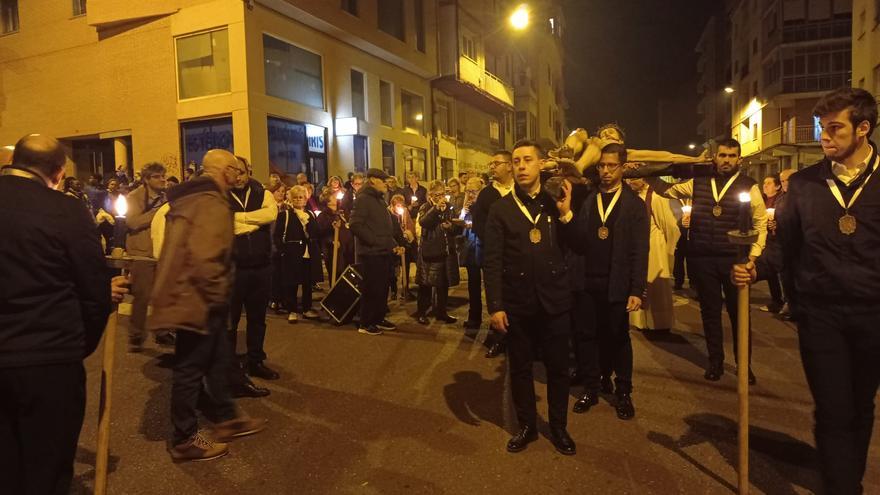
251, 289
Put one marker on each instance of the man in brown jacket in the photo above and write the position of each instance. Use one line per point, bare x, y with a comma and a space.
191, 296
143, 203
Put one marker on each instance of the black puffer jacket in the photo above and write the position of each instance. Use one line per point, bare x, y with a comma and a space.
371, 224
439, 270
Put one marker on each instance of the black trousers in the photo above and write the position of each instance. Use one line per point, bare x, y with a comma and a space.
679, 270
711, 277
840, 351
142, 275
41, 413
299, 278
773, 283
200, 357
788, 288
425, 298
376, 271
603, 344
475, 292
251, 289
524, 335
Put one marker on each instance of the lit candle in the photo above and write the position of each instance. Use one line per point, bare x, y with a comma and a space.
399, 210
414, 198
771, 212
121, 208
686, 210
448, 197
340, 195
745, 212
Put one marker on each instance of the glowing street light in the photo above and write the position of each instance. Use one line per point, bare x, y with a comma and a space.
692, 146
519, 19
729, 89
419, 117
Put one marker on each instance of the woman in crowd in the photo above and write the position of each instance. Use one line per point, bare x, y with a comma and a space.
405, 222
456, 196
279, 192
296, 239
772, 192
470, 254
329, 220
314, 206
437, 266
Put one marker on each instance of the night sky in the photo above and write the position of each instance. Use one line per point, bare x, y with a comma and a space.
623, 56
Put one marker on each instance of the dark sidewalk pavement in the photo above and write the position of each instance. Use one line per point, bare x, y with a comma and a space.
420, 410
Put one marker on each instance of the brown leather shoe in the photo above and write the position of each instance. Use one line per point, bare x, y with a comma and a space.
198, 448
237, 428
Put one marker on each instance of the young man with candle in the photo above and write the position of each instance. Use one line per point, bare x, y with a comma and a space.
612, 232
716, 211
828, 232
528, 293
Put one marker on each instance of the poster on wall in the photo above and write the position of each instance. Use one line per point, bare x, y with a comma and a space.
287, 146
202, 135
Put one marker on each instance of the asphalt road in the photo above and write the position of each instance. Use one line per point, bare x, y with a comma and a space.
421, 410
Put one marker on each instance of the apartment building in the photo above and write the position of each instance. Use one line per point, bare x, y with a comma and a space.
715, 68
866, 48
785, 55
315, 86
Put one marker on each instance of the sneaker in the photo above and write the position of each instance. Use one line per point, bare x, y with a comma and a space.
311, 315
198, 448
370, 330
237, 428
292, 318
386, 325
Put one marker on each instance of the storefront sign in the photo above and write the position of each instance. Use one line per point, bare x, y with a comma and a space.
315, 136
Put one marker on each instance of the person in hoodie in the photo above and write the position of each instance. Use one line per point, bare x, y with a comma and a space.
191, 296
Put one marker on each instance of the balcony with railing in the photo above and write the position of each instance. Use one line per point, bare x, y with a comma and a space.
812, 31
790, 134
469, 71
814, 82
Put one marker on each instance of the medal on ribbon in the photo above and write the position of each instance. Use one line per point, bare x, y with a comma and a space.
847, 223
603, 231
717, 210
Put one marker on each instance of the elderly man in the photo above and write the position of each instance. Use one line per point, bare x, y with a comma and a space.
55, 293
191, 296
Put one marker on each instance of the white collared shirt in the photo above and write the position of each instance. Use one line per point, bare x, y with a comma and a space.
502, 189
846, 175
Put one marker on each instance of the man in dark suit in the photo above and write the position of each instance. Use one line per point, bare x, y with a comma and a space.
612, 231
529, 295
828, 235
55, 293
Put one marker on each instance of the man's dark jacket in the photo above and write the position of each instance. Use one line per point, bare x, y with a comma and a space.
630, 241
523, 278
829, 266
371, 224
54, 284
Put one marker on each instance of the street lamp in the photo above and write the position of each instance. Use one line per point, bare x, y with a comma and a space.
519, 19
729, 89
692, 146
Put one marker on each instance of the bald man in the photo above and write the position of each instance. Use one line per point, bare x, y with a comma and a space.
191, 296
55, 292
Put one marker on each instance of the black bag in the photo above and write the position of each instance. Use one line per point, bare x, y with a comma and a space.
434, 245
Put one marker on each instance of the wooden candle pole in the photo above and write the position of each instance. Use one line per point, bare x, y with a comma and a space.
333, 264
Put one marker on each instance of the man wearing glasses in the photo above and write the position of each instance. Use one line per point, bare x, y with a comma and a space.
143, 203
501, 168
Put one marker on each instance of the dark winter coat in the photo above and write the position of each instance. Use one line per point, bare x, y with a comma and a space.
441, 270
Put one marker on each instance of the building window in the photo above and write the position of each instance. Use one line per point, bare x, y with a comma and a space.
416, 160
350, 6
287, 146
521, 123
386, 102
197, 137
413, 107
468, 47
391, 18
442, 117
8, 16
361, 155
533, 126
79, 7
292, 73
754, 132
420, 25
447, 168
358, 95
203, 64
388, 157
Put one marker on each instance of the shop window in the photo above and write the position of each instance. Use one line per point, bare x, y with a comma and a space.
292, 73
287, 146
413, 111
388, 157
361, 155
197, 137
8, 16
358, 95
386, 102
203, 64
391, 18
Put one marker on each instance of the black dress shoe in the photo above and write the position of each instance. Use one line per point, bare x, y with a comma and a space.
714, 372
525, 436
472, 325
447, 319
588, 400
562, 441
625, 409
422, 319
386, 325
260, 370
166, 339
247, 389
607, 385
496, 350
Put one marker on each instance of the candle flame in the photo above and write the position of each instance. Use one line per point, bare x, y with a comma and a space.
121, 206
340, 195
414, 198
745, 197
771, 212
399, 210
686, 209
